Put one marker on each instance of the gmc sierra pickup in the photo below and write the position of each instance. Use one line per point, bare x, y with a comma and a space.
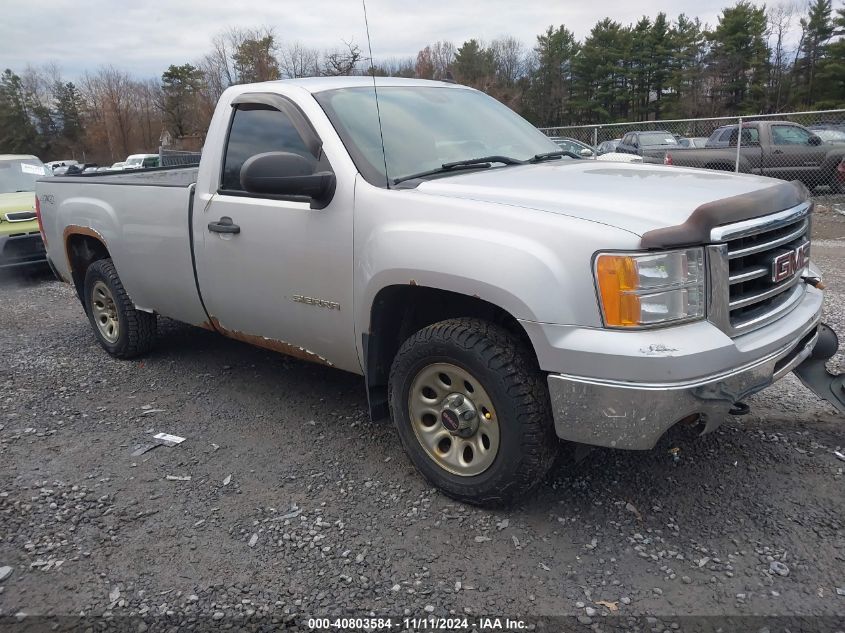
495, 294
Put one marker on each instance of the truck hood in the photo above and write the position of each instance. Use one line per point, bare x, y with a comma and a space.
636, 198
20, 201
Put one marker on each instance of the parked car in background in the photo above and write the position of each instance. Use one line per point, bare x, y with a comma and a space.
692, 142
75, 170
494, 295
142, 161
606, 147
118, 166
618, 157
20, 239
829, 135
779, 149
576, 147
650, 145
53, 164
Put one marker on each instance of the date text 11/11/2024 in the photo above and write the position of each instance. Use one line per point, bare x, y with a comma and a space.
421, 624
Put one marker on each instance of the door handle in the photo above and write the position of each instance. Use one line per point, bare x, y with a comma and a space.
224, 225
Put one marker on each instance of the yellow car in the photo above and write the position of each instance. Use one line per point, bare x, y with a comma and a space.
20, 238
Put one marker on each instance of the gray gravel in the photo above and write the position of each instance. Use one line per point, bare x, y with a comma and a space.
285, 501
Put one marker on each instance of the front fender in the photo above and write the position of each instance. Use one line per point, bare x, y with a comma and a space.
535, 265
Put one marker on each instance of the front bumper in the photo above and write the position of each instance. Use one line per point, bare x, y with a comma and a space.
23, 249
636, 415
626, 389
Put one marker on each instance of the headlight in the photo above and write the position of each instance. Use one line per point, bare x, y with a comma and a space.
652, 288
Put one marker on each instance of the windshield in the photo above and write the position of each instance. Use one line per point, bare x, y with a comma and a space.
135, 161
20, 175
425, 127
657, 138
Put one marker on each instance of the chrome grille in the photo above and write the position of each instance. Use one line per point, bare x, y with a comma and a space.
748, 287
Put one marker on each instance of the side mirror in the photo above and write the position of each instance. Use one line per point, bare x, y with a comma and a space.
287, 174
586, 152
815, 140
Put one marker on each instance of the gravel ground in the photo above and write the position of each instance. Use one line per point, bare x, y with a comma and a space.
286, 502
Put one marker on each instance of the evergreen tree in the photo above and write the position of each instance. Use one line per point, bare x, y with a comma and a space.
180, 86
18, 134
255, 60
68, 112
601, 74
739, 59
550, 82
830, 84
474, 64
817, 29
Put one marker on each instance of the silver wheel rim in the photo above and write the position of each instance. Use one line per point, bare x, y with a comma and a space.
104, 312
465, 452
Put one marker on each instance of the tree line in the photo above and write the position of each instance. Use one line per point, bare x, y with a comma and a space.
747, 63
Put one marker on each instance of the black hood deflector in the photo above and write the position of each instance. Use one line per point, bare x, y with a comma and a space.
696, 229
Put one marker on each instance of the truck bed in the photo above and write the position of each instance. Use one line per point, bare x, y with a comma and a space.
145, 224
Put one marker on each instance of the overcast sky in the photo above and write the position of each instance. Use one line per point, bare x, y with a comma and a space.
145, 36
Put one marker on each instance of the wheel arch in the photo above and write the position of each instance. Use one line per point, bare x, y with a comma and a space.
83, 247
399, 310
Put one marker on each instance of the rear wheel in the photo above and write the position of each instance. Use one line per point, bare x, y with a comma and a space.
123, 331
472, 411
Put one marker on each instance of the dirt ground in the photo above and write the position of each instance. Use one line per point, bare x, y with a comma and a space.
285, 502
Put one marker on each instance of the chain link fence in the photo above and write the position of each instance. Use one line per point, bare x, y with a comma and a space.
805, 146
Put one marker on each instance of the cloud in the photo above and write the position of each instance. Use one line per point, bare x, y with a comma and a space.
146, 37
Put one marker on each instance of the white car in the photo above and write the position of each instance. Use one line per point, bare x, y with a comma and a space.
118, 166
142, 161
618, 157
54, 164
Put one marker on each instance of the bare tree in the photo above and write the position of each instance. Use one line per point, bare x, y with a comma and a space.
342, 61
509, 58
424, 66
297, 60
442, 56
780, 18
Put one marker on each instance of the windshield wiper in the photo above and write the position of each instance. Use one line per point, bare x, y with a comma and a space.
539, 158
484, 162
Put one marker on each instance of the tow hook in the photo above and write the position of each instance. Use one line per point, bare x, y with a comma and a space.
813, 373
815, 282
740, 408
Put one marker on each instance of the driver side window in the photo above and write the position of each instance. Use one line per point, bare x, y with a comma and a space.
790, 135
258, 128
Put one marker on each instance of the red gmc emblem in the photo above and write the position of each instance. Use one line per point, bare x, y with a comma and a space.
787, 264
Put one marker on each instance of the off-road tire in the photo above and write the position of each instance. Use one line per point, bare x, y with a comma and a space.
137, 331
509, 374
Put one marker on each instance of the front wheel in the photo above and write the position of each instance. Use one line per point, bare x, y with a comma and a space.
123, 331
472, 411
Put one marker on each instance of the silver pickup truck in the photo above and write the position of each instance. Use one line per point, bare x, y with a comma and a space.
496, 294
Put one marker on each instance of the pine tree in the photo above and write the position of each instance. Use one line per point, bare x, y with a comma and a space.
739, 59
550, 82
18, 134
817, 28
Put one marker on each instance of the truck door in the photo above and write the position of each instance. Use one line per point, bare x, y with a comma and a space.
793, 156
276, 272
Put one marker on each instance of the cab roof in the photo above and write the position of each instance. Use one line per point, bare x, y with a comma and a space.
320, 84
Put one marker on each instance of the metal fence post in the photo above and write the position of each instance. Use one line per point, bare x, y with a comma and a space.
595, 137
738, 144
